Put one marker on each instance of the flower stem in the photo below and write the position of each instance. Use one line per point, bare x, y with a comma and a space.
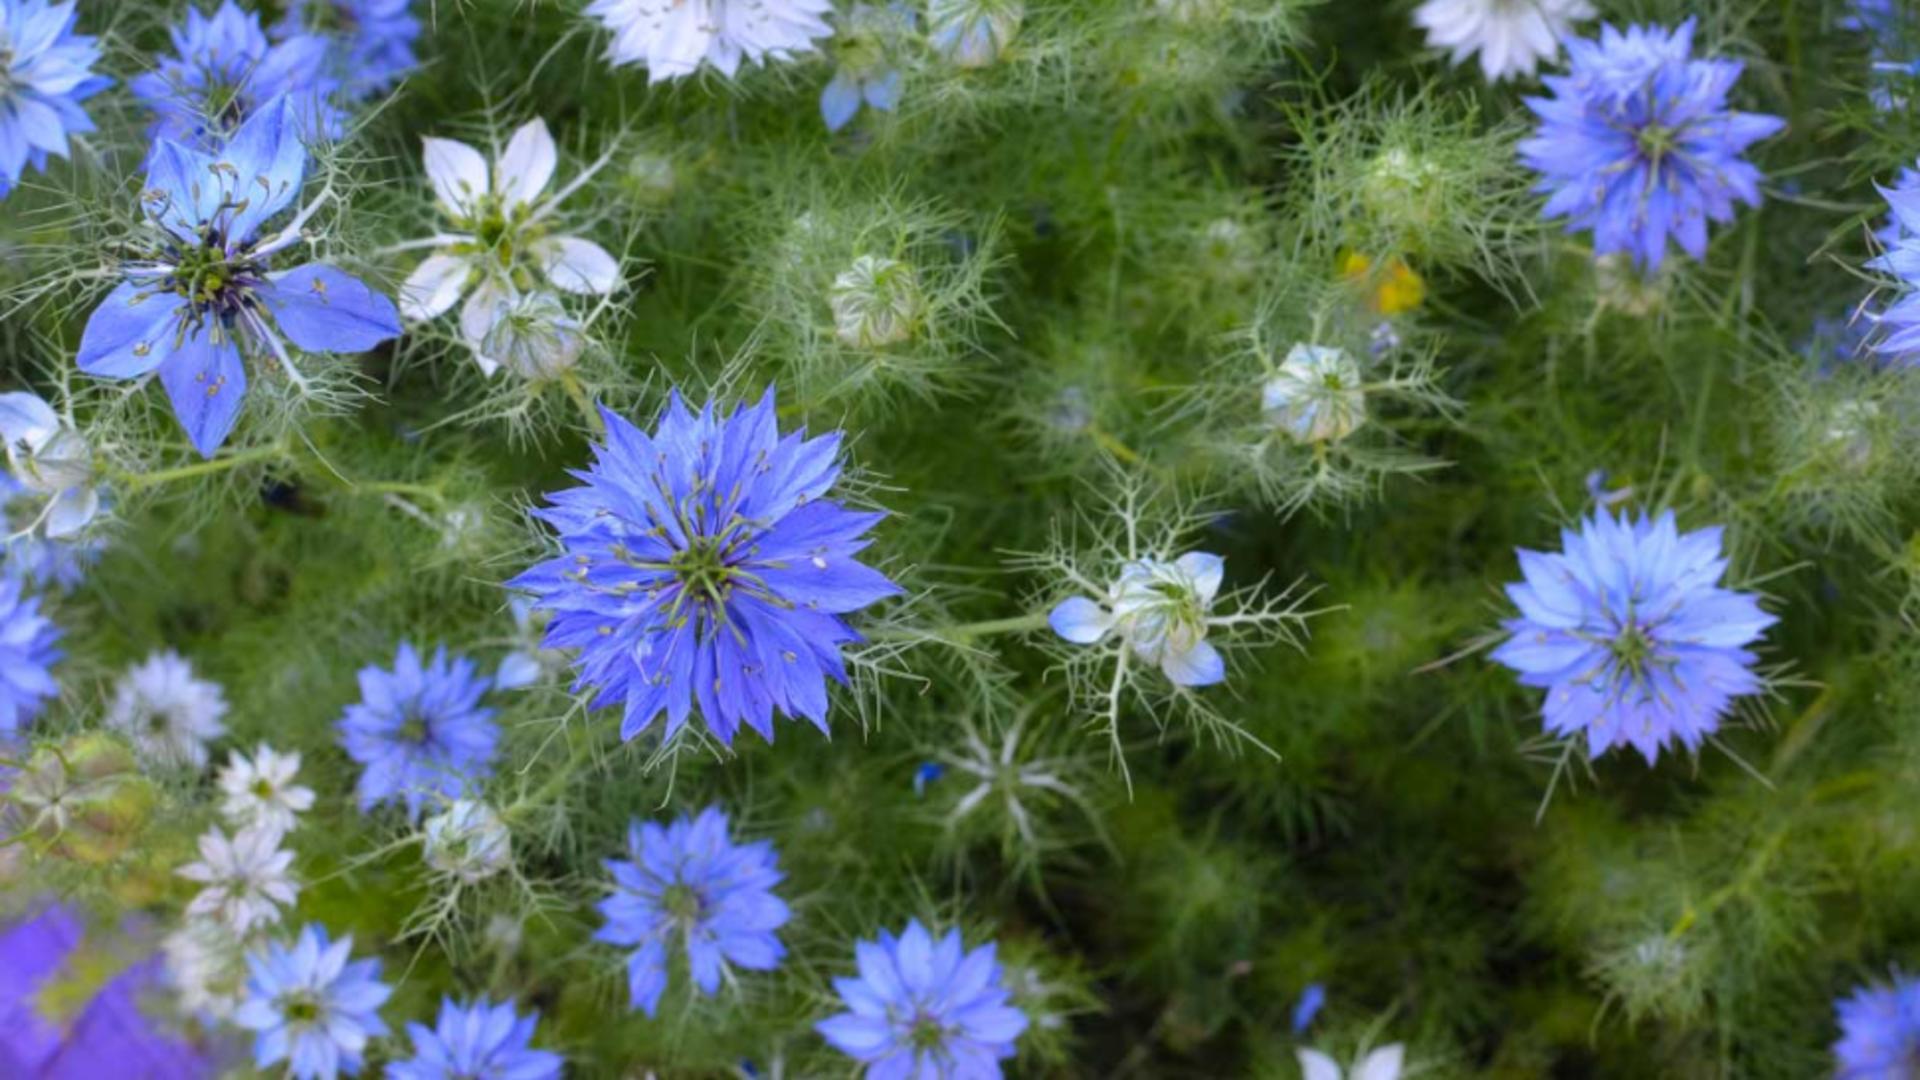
201, 468
578, 394
1018, 624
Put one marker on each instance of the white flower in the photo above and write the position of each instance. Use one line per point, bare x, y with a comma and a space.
48, 457
876, 302
166, 713
1160, 610
674, 37
1317, 395
973, 33
500, 245
1382, 1064
1511, 36
245, 877
530, 661
207, 965
468, 840
260, 792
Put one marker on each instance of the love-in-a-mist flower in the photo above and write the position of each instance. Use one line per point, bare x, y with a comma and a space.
259, 792
973, 33
1383, 1063
481, 1041
868, 73
1316, 394
371, 41
673, 38
244, 879
704, 566
467, 840
1638, 143
27, 655
207, 967
419, 730
206, 293
1159, 610
1879, 1031
500, 244
925, 1008
534, 337
1631, 634
689, 882
224, 72
876, 302
36, 560
49, 458
1511, 37
167, 713
312, 1005
46, 71
1896, 338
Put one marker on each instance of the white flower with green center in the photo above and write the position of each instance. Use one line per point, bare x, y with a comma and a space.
1317, 395
673, 38
468, 841
244, 878
1159, 609
259, 792
1510, 36
500, 244
167, 713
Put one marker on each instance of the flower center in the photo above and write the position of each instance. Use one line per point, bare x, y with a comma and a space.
413, 729
1656, 141
702, 568
301, 1008
683, 903
1633, 650
926, 1034
262, 789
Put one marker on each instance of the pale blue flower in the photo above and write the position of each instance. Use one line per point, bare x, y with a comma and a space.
419, 730
27, 655
312, 1006
925, 1009
1879, 1032
371, 41
481, 1041
868, 74
46, 71
1159, 609
690, 882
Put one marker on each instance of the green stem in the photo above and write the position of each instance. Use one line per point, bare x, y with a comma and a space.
202, 468
578, 395
1018, 624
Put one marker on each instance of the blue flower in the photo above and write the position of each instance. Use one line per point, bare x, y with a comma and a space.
922, 1008
313, 1006
703, 566
866, 74
1638, 145
1879, 1031
419, 730
482, 1041
224, 72
691, 881
206, 291
1896, 334
1873, 16
372, 40
1631, 634
27, 656
46, 71
1312, 1000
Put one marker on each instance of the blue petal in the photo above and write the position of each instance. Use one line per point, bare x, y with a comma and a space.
324, 310
206, 382
131, 333
840, 101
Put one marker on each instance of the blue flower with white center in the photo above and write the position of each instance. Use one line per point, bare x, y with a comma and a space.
312, 1005
704, 566
1638, 144
225, 72
46, 71
1160, 610
1879, 1031
371, 40
482, 1041
419, 730
925, 1009
206, 293
867, 74
1631, 634
690, 881
27, 655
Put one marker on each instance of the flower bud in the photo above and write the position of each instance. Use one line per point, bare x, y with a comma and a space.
1316, 395
534, 338
1403, 190
973, 33
468, 841
876, 302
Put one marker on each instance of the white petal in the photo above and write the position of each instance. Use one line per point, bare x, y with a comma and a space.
482, 310
1382, 1064
1199, 665
1080, 620
1205, 570
71, 511
457, 172
527, 165
433, 287
579, 266
24, 418
1315, 1065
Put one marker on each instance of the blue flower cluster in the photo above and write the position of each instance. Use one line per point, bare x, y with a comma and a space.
46, 72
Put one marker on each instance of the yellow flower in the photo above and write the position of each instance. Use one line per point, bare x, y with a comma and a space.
1395, 290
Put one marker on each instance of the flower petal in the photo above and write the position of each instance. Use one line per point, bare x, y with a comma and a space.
325, 310
207, 382
526, 166
457, 172
579, 266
